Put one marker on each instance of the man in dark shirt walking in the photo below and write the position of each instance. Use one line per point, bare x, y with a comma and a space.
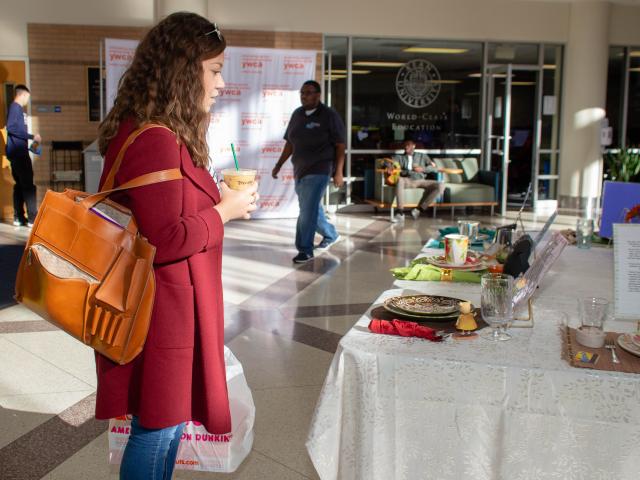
315, 137
24, 191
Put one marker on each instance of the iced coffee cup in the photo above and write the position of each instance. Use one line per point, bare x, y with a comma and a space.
239, 179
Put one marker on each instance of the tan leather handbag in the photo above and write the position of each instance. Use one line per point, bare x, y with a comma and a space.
87, 270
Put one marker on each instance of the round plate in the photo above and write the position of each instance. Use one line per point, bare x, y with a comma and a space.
625, 343
425, 304
421, 318
635, 339
438, 261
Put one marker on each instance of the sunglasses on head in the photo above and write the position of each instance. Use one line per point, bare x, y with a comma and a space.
215, 32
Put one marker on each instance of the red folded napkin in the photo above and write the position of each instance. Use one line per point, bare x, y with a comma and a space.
404, 329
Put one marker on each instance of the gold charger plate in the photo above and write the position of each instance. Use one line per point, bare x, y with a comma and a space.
421, 318
425, 304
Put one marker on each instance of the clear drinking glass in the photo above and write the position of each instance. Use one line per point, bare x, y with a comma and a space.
504, 237
593, 312
584, 231
496, 301
469, 228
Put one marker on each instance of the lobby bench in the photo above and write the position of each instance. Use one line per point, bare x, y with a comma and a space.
467, 187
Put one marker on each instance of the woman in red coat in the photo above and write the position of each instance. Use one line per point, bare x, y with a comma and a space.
173, 80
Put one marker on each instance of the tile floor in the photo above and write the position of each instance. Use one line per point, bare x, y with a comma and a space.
283, 322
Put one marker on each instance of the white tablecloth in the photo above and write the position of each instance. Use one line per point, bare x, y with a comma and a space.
406, 408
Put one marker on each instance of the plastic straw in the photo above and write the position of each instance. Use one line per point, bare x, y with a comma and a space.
235, 159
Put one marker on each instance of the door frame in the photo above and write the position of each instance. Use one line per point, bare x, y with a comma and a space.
6, 181
490, 73
27, 68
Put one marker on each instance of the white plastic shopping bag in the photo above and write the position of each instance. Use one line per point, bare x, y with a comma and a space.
200, 450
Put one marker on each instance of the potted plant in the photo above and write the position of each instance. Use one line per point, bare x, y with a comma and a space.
623, 166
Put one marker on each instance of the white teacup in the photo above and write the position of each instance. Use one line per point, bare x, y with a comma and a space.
456, 248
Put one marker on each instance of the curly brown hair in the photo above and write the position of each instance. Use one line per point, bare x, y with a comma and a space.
164, 83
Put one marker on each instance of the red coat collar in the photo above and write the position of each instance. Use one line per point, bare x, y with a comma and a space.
200, 176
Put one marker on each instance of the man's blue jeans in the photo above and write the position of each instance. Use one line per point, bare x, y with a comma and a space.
310, 189
150, 454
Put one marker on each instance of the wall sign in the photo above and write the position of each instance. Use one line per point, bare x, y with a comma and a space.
118, 56
93, 93
626, 253
418, 83
549, 105
48, 108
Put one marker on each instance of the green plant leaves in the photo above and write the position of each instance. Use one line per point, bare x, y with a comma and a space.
623, 166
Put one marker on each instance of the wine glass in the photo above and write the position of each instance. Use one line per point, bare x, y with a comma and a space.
496, 301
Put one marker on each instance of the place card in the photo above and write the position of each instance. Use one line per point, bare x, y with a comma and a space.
626, 253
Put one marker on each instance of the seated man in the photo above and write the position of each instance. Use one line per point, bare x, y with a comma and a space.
415, 167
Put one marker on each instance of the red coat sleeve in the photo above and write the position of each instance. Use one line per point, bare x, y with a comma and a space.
158, 208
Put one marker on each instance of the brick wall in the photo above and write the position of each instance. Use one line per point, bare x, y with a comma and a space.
59, 56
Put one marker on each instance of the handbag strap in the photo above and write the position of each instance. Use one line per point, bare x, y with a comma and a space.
140, 181
108, 183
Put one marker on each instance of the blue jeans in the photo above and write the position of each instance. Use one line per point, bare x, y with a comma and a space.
310, 189
150, 454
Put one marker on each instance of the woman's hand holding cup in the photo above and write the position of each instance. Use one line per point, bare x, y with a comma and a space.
237, 203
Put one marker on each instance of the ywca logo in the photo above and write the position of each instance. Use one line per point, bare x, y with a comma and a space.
293, 66
251, 65
264, 204
269, 93
255, 121
252, 121
230, 92
225, 149
120, 56
418, 83
271, 149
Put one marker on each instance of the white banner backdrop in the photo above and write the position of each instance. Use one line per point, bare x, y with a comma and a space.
118, 56
252, 112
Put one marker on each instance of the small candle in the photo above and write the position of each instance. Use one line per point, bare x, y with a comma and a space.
496, 268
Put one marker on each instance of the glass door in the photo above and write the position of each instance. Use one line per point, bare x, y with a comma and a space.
511, 138
546, 187
334, 80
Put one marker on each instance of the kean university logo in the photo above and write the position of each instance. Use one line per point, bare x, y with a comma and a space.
418, 83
